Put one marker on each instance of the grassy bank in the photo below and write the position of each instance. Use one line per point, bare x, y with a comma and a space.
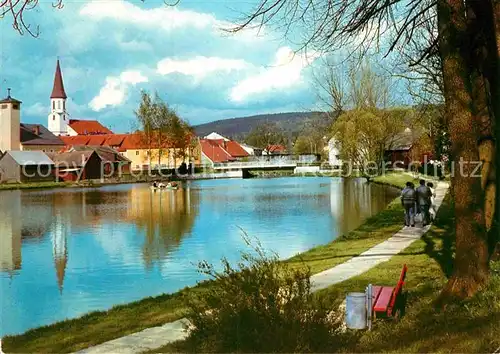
102, 326
34, 185
462, 327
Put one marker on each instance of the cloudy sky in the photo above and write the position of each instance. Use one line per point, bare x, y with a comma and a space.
110, 50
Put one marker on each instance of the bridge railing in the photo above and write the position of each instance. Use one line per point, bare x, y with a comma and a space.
259, 163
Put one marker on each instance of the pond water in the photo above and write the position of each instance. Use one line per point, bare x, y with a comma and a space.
66, 252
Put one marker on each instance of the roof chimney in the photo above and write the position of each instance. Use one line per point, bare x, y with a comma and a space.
36, 129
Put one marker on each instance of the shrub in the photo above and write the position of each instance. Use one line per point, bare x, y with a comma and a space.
260, 305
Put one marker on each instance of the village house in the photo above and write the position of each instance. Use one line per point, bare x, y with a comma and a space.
112, 161
275, 150
134, 148
409, 146
26, 166
219, 149
77, 165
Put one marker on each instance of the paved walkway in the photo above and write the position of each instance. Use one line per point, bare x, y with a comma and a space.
156, 337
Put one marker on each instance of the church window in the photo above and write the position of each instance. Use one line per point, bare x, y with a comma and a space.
4, 106
64, 105
58, 104
137, 153
15, 106
53, 117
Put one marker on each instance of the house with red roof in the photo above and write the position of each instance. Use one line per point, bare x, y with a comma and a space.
86, 127
275, 150
135, 147
217, 149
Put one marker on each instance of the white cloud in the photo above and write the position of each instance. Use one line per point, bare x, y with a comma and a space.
284, 73
114, 91
37, 109
199, 66
166, 18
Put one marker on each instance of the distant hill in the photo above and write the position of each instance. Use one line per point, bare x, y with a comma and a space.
237, 128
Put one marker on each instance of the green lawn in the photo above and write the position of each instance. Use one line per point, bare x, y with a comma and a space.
470, 326
465, 327
34, 185
98, 327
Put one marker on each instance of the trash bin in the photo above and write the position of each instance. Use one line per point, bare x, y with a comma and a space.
355, 311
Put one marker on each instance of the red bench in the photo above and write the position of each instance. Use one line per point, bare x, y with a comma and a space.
387, 299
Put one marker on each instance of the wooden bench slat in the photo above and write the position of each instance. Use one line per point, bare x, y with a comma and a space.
384, 299
375, 294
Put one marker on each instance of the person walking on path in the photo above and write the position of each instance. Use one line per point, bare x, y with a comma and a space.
408, 198
424, 195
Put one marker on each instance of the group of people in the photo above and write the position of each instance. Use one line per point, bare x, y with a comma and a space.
157, 184
418, 200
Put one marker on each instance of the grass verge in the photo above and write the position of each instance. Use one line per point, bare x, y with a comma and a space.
101, 326
34, 185
469, 326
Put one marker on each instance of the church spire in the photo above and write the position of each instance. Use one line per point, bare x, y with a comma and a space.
58, 90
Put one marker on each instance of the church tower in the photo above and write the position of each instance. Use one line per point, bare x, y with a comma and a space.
58, 117
10, 120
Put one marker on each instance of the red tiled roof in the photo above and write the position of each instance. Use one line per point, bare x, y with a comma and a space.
115, 140
276, 148
235, 149
58, 89
96, 140
120, 142
75, 140
88, 127
214, 151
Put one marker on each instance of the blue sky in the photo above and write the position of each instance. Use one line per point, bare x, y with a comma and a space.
110, 50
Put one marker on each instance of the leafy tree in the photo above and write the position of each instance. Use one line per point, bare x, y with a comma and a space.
162, 130
365, 132
265, 134
302, 146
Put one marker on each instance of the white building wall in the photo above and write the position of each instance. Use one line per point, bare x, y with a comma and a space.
71, 132
250, 150
333, 153
58, 117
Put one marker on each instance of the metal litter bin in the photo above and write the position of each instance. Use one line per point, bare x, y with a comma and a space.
355, 311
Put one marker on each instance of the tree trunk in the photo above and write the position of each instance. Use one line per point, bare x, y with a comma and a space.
495, 92
484, 64
471, 258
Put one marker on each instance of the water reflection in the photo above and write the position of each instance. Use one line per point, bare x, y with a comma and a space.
80, 250
10, 232
353, 201
164, 217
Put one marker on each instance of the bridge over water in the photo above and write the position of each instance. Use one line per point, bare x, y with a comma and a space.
246, 166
